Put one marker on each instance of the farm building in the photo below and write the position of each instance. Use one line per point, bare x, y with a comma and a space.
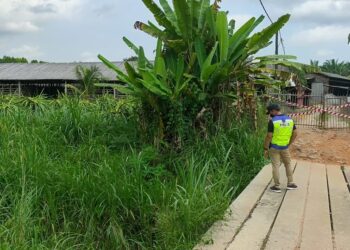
49, 79
324, 83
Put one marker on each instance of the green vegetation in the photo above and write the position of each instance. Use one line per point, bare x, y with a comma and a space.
334, 66
153, 170
88, 77
203, 65
10, 59
75, 175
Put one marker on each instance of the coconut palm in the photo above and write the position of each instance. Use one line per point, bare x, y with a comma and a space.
88, 78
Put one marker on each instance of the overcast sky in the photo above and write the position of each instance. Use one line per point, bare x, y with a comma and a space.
77, 30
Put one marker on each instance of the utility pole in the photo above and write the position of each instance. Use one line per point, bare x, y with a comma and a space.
276, 44
276, 51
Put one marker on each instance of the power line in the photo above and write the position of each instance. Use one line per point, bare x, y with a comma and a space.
267, 14
278, 34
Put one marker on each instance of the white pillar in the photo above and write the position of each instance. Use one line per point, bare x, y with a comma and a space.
65, 88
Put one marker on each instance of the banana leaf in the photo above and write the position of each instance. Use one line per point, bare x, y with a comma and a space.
158, 14
210, 21
260, 39
200, 51
152, 30
180, 68
159, 63
180, 87
243, 33
120, 74
205, 5
151, 82
141, 59
183, 15
284, 57
170, 15
208, 68
222, 29
131, 45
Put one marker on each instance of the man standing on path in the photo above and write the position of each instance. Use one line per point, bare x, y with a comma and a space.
281, 134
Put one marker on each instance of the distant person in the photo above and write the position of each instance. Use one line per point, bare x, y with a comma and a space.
281, 134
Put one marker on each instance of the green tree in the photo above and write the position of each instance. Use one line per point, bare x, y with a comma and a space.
334, 66
9, 59
88, 78
203, 64
315, 63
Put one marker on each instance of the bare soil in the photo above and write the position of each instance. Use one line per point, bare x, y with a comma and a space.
323, 146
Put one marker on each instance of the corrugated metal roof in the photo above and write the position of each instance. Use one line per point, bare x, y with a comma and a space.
332, 75
50, 71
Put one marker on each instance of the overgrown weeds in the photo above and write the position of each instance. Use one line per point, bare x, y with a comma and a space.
78, 176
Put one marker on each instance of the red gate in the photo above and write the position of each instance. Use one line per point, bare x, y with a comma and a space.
329, 111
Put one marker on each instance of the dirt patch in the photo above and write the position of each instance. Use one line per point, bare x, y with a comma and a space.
324, 146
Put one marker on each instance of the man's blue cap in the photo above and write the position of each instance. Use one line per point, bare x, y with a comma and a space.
272, 106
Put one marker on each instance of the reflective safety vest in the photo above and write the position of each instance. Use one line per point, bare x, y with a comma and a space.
282, 131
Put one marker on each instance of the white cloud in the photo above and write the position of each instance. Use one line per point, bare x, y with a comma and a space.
17, 27
18, 16
26, 51
323, 11
334, 34
88, 57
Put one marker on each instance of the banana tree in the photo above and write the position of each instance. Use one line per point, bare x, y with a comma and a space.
200, 57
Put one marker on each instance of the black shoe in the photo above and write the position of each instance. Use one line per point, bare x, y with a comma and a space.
292, 186
275, 189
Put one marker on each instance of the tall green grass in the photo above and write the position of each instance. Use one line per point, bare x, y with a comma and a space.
76, 175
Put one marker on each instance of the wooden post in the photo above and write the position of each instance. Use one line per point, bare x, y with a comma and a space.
65, 88
19, 88
114, 93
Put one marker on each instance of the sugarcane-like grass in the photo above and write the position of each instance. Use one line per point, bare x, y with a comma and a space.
75, 174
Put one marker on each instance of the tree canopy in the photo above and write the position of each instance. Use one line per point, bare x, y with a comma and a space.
203, 63
11, 59
333, 66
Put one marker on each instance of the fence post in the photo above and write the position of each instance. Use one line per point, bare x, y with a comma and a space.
323, 115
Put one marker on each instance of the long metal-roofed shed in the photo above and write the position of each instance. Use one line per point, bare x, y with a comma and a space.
46, 78
324, 83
